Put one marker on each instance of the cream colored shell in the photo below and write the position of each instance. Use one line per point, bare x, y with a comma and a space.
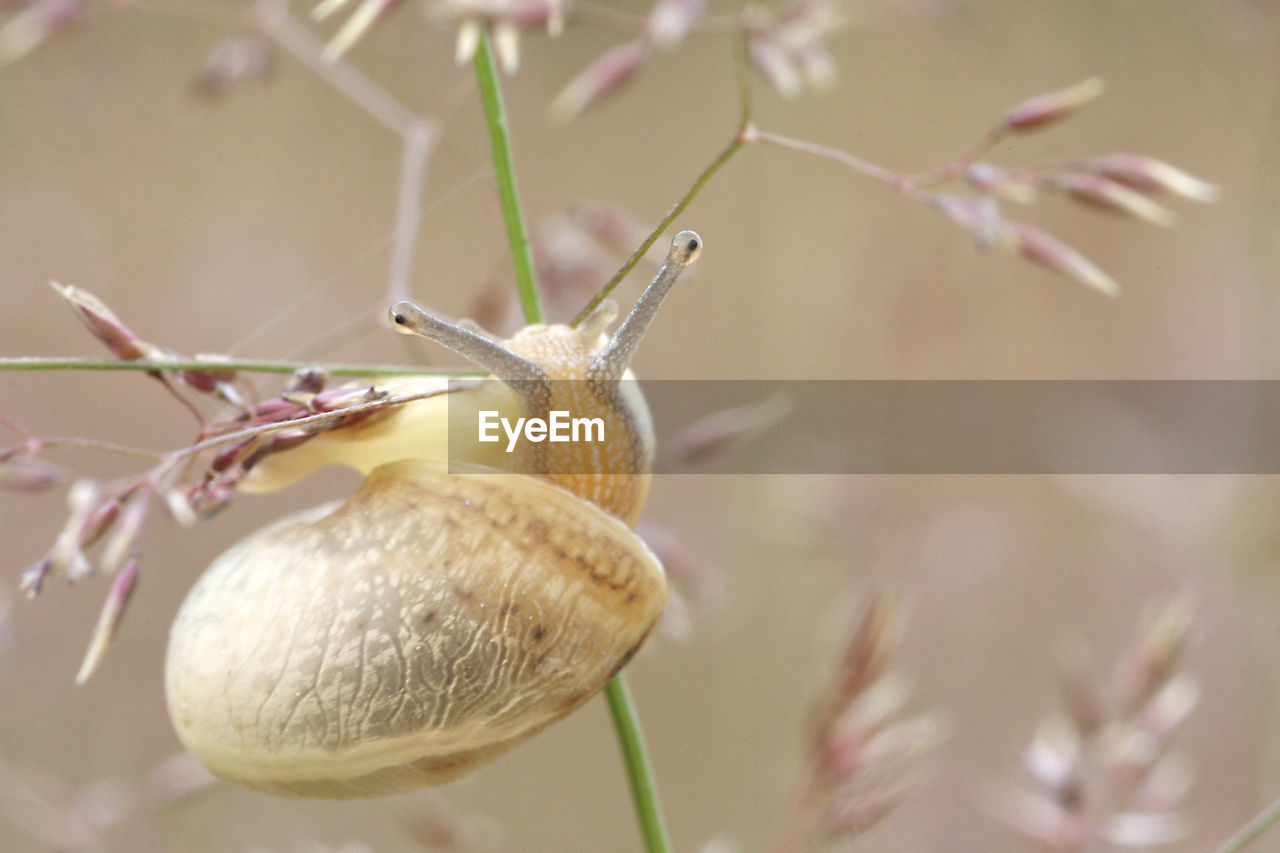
428, 624
438, 617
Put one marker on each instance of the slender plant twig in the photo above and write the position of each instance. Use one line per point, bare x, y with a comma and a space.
739, 139
101, 446
504, 172
279, 23
865, 167
701, 181
1253, 830
35, 442
193, 450
243, 365
418, 142
795, 825
418, 135
644, 792
742, 71
205, 11
956, 168
604, 16
626, 721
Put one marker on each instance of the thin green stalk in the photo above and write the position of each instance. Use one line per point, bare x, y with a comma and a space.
1253, 830
644, 791
626, 721
701, 181
504, 172
740, 138
245, 366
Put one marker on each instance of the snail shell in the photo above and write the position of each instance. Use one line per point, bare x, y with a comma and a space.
379, 661
435, 619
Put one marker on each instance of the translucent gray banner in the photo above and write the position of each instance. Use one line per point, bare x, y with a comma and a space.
939, 427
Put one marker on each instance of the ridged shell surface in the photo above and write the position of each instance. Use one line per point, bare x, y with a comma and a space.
428, 624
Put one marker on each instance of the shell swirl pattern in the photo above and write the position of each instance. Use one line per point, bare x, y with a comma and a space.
296, 668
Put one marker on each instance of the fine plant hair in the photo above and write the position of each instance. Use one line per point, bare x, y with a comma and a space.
863, 754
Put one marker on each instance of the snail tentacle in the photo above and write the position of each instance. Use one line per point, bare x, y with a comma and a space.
480, 349
612, 361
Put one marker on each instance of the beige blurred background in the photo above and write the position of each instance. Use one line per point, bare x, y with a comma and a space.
256, 225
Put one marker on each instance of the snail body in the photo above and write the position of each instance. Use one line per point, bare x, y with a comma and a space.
436, 618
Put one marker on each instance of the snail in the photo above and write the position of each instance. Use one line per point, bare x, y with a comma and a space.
457, 604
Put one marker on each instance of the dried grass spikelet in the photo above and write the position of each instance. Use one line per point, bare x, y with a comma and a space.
441, 825
788, 47
234, 61
126, 345
115, 513
864, 758
1102, 771
109, 813
695, 584
22, 472
363, 17
1149, 175
504, 20
6, 623
1104, 193
668, 23
1124, 184
35, 24
1042, 248
604, 76
1050, 107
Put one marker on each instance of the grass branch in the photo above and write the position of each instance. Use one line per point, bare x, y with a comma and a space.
739, 139
692, 193
644, 791
279, 23
504, 171
1261, 823
626, 721
241, 365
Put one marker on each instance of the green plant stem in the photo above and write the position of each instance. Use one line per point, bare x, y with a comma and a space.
626, 721
723, 157
1253, 830
740, 138
644, 791
504, 172
245, 366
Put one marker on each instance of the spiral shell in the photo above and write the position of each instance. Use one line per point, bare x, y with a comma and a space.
323, 657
